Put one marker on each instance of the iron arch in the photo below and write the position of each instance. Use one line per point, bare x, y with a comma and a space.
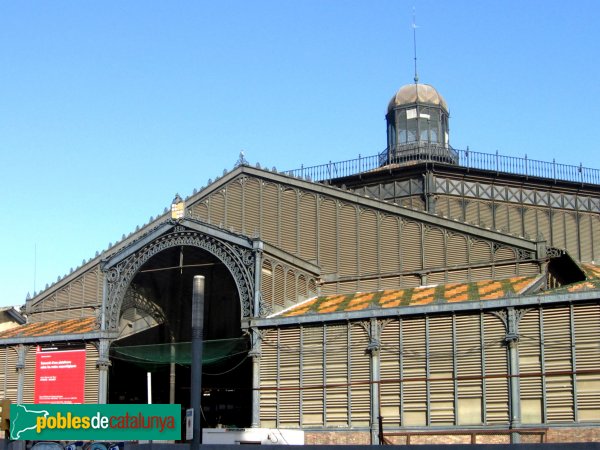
238, 260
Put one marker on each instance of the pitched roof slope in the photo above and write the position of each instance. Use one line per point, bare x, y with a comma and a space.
52, 327
592, 281
424, 295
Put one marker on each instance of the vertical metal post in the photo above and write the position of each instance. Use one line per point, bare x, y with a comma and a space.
102, 365
197, 331
149, 386
255, 354
172, 372
512, 339
375, 378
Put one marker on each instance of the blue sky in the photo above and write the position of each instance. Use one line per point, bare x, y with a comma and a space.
107, 109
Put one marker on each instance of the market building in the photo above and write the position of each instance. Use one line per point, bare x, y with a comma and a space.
422, 294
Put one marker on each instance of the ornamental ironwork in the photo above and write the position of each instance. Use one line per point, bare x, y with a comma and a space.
239, 261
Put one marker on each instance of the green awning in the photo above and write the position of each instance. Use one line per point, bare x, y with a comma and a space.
213, 351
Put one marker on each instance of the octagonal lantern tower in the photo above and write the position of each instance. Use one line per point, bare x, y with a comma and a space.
417, 126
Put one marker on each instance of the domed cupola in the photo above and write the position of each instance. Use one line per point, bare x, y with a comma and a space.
417, 126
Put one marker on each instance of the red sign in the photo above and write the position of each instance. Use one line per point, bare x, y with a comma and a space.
59, 375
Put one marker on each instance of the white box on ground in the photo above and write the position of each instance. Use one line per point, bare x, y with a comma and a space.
263, 436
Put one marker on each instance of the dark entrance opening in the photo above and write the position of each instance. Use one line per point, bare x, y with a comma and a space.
155, 331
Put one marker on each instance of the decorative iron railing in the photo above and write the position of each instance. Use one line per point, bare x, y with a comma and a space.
466, 158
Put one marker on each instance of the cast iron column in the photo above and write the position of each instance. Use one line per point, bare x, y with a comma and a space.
512, 341
197, 331
374, 353
102, 365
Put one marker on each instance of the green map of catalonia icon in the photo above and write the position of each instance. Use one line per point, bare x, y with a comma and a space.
23, 419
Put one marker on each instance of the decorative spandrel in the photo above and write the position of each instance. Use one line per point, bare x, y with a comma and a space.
238, 260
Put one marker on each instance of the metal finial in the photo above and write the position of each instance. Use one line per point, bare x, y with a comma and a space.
414, 27
241, 160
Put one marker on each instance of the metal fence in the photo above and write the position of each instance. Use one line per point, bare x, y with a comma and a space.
466, 158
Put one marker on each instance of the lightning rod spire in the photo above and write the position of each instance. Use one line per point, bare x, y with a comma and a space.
414, 27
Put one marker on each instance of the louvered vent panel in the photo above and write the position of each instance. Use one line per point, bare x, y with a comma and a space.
457, 250
530, 367
312, 288
348, 238
252, 217
486, 215
270, 214
291, 295
587, 352
543, 225
481, 252
200, 211
234, 206
91, 374
572, 232
515, 220
279, 288
337, 376
289, 221
435, 246
436, 278
302, 288
10, 378
390, 373
469, 369
312, 376
472, 212
530, 222
289, 378
496, 371
308, 227
368, 285
527, 269
457, 276
62, 298
347, 287
329, 288
414, 387
411, 247
359, 377
441, 370
76, 294
505, 271
29, 386
408, 281
369, 243
557, 358
558, 229
389, 283
92, 292
390, 244
596, 236
217, 209
328, 236
585, 233
416, 202
441, 206
5, 369
455, 208
501, 217
504, 254
267, 284
269, 364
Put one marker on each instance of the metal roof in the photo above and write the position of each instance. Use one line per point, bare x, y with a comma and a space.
52, 327
423, 295
417, 93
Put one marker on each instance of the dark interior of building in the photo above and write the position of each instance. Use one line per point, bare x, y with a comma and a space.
156, 331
